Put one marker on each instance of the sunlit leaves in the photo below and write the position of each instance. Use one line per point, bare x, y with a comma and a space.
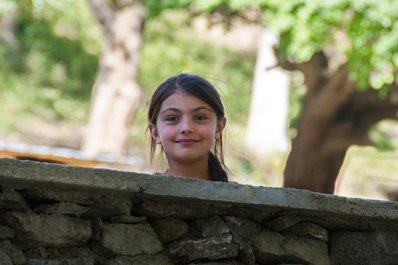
63, 14
155, 7
368, 26
7, 6
55, 61
363, 31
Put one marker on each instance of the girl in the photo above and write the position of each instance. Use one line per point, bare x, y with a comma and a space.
186, 118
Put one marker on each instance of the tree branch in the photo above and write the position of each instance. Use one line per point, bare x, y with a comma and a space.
335, 92
103, 12
315, 70
341, 139
369, 107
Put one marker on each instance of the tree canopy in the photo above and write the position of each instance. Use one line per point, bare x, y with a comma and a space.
363, 32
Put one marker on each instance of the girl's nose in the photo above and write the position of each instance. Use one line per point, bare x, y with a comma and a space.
186, 126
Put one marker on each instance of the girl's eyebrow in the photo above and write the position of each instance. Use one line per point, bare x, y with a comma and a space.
202, 108
170, 109
193, 110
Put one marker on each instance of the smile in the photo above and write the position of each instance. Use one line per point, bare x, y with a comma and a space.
187, 141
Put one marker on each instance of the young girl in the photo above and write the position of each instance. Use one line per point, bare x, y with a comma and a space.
186, 118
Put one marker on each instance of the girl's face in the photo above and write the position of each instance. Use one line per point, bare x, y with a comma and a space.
186, 128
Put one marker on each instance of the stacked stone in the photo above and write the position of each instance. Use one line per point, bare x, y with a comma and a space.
191, 237
58, 227
116, 218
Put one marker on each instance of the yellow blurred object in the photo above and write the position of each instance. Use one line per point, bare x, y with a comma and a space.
66, 156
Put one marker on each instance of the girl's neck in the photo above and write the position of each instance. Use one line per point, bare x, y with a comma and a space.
196, 171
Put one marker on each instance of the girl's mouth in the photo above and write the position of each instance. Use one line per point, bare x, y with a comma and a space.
187, 141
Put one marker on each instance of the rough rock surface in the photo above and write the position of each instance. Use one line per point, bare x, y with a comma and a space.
50, 214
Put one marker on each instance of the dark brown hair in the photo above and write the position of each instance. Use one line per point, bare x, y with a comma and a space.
201, 88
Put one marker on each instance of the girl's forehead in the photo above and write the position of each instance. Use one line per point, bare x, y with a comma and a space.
182, 99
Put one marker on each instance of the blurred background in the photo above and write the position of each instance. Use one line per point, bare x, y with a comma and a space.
309, 86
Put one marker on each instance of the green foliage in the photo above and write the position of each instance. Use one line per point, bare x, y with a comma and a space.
384, 135
200, 6
366, 172
73, 20
57, 62
156, 7
7, 6
364, 30
51, 72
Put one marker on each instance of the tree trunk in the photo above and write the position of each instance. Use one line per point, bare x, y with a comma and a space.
267, 126
116, 94
335, 115
7, 29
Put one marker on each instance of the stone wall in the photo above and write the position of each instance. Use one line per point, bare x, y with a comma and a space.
54, 214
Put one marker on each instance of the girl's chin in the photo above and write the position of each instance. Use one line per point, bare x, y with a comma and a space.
189, 158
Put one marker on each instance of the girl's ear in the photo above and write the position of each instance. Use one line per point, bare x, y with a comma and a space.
220, 127
154, 133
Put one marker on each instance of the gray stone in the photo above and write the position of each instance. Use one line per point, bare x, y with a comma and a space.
30, 174
39, 253
6, 232
170, 229
65, 261
103, 205
212, 248
6, 188
301, 242
274, 247
206, 197
42, 253
177, 209
243, 231
74, 252
47, 230
130, 240
251, 213
226, 262
16, 255
140, 260
284, 222
309, 230
109, 206
246, 253
101, 254
128, 219
96, 226
4, 258
62, 208
212, 226
364, 247
241, 228
12, 201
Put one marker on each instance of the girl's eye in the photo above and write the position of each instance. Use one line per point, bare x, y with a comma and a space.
171, 118
201, 117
